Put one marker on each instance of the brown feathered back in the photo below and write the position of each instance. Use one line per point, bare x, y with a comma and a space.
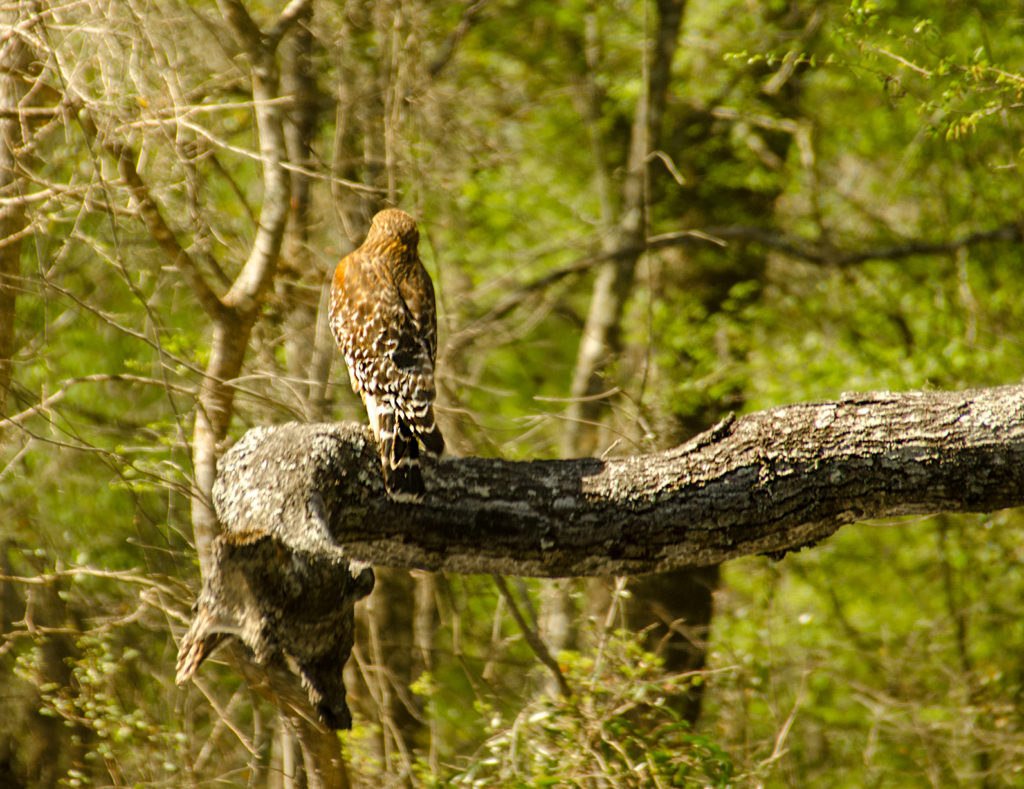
383, 317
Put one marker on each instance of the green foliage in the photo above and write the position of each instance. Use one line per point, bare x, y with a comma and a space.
886, 657
935, 681
110, 719
617, 727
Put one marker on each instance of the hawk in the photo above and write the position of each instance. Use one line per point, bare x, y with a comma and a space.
383, 318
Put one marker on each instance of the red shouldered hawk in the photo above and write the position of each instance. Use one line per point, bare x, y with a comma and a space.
382, 315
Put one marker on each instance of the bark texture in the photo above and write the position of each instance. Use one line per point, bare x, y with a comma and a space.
303, 509
772, 481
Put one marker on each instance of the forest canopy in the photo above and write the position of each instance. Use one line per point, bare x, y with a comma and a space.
640, 219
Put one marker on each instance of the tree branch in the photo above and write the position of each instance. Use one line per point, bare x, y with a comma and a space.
770, 481
814, 252
257, 273
532, 637
810, 251
451, 43
232, 327
613, 284
303, 507
149, 211
247, 32
160, 232
290, 15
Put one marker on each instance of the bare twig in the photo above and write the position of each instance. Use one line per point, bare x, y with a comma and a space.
809, 251
51, 400
533, 639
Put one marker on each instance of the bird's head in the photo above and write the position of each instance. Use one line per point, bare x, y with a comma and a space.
393, 224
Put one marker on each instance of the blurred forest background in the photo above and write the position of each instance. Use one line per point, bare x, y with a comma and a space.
640, 215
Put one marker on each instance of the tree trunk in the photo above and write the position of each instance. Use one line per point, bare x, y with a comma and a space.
613, 284
301, 281
599, 344
236, 313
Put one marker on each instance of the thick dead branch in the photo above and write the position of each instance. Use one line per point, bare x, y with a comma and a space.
299, 502
771, 481
291, 604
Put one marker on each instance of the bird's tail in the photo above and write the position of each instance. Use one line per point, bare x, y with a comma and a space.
428, 432
400, 458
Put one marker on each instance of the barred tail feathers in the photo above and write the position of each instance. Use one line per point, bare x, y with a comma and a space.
399, 456
428, 432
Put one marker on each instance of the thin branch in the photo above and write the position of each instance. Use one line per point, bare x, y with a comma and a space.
122, 576
898, 58
780, 739
51, 400
159, 230
225, 718
809, 251
533, 639
1010, 232
148, 208
451, 43
20, 113
821, 252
